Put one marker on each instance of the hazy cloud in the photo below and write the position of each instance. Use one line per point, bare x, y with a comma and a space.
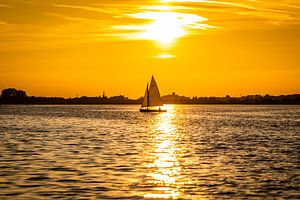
65, 22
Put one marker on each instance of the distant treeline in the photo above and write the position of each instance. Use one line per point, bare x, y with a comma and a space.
14, 96
249, 99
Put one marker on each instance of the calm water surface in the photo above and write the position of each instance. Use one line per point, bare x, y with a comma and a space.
116, 152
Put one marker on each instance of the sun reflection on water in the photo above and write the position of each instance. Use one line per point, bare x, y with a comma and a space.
165, 170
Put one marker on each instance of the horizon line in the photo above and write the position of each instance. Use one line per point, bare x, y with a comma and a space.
172, 93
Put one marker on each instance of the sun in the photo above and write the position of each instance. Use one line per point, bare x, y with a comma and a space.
164, 27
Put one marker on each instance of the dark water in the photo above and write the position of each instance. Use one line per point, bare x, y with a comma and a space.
116, 152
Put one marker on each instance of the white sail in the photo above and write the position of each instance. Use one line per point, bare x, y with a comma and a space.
154, 95
145, 101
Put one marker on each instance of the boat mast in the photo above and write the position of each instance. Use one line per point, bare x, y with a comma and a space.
148, 97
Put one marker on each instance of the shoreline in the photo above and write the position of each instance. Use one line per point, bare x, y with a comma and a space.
70, 104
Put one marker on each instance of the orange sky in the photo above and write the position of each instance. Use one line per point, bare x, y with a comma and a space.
195, 48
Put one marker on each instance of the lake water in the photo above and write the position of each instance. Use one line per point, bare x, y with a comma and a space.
116, 152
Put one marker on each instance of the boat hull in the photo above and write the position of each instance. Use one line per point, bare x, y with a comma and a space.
152, 110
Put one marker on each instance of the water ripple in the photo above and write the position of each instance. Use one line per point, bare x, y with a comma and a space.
115, 152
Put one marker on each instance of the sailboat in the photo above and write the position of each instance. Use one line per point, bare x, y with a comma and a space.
152, 101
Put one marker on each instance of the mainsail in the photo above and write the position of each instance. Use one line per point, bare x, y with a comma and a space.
152, 96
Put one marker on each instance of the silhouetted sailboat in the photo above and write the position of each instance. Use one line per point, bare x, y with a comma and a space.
152, 101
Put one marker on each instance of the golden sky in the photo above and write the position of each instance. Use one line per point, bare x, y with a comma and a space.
195, 48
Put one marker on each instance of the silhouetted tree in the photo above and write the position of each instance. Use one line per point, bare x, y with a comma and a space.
12, 96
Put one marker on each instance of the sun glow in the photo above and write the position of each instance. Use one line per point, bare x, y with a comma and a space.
165, 26
164, 56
